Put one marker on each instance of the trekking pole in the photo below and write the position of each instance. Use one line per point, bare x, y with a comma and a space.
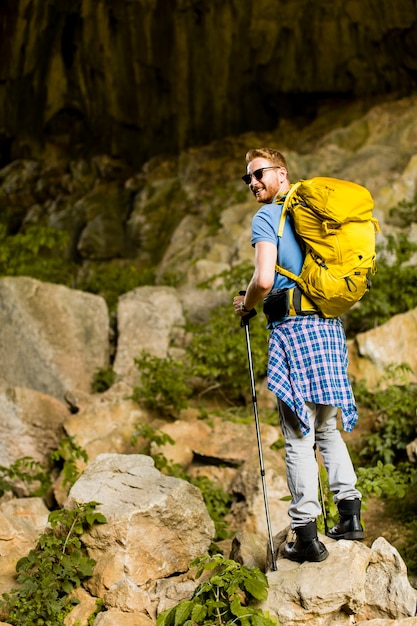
245, 323
322, 502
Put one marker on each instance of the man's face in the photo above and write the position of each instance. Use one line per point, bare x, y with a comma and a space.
270, 182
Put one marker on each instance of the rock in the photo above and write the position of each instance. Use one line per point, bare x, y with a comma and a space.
412, 451
353, 580
249, 549
147, 318
248, 507
106, 422
113, 617
82, 611
156, 524
168, 592
55, 338
106, 208
406, 621
157, 209
31, 424
22, 521
392, 343
220, 442
387, 571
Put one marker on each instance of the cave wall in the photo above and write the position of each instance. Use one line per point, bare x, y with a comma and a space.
136, 78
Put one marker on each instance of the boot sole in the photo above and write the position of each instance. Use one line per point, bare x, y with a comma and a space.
354, 536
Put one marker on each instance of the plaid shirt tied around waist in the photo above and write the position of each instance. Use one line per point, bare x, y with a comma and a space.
308, 363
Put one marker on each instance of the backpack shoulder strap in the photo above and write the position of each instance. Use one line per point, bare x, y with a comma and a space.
278, 268
285, 207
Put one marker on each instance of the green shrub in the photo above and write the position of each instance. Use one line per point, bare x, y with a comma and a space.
396, 422
111, 279
51, 571
386, 480
34, 475
38, 252
103, 379
227, 597
218, 354
386, 472
218, 503
65, 457
148, 436
163, 383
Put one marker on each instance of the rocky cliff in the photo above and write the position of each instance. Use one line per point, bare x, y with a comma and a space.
140, 78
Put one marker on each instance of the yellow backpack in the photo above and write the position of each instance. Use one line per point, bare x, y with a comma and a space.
334, 220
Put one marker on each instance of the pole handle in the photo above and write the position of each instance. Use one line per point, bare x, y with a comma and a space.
244, 321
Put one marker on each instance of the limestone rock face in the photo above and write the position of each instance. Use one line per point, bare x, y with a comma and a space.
53, 338
147, 317
140, 81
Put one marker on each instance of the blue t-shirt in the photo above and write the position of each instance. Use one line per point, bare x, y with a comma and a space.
265, 226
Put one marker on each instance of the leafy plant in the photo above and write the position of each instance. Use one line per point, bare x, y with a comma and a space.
36, 476
218, 352
404, 213
330, 514
386, 480
163, 383
39, 252
111, 280
50, 572
218, 503
67, 454
27, 471
396, 409
403, 514
386, 472
150, 436
227, 597
103, 379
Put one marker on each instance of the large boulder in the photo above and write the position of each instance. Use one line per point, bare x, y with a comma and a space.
147, 319
53, 338
156, 525
355, 580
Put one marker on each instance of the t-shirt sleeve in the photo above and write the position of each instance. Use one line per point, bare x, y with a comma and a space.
262, 229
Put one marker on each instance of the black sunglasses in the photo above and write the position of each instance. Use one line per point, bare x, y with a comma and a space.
259, 173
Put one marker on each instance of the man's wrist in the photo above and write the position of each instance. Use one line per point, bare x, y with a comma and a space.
243, 308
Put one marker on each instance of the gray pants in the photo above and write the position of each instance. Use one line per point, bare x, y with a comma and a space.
302, 469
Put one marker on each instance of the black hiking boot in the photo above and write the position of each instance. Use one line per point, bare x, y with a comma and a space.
307, 546
349, 525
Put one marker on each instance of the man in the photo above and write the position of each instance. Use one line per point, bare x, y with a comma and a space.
307, 368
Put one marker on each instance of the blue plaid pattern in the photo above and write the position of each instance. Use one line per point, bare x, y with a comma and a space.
308, 362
